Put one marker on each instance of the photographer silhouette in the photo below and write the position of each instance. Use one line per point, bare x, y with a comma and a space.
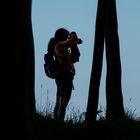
66, 53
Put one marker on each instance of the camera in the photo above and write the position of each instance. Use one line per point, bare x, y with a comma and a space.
79, 41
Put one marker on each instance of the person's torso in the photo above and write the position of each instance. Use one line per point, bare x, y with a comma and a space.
65, 63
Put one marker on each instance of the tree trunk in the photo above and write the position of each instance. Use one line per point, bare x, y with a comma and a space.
106, 27
18, 97
114, 97
96, 65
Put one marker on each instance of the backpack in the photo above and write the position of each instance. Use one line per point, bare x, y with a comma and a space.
51, 68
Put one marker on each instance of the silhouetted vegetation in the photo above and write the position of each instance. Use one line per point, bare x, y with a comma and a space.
48, 128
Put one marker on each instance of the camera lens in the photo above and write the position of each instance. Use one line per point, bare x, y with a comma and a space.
79, 41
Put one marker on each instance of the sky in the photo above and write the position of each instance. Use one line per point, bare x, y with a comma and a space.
80, 16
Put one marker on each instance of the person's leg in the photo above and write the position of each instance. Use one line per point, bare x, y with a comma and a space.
59, 110
57, 103
67, 95
60, 107
56, 107
64, 90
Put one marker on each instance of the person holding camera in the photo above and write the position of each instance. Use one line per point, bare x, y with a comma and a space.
66, 52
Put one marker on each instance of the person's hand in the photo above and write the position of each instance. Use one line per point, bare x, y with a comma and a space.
73, 35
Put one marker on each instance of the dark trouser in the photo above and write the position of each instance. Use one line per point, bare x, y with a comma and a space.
64, 90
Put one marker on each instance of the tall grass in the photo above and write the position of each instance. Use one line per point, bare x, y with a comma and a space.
44, 107
48, 128
75, 115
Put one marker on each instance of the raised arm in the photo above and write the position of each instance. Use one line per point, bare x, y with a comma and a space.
61, 47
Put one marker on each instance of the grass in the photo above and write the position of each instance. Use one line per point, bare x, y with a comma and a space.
50, 129
47, 128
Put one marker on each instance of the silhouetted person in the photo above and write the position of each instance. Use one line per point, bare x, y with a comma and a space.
62, 45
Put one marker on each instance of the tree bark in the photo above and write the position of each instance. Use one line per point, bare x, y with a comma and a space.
18, 97
106, 28
114, 98
96, 65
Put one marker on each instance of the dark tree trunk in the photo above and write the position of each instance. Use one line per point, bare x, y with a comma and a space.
114, 97
96, 65
17, 96
106, 27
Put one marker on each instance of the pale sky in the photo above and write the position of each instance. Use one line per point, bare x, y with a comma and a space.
80, 16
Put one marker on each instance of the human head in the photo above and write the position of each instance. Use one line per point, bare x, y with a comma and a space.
61, 34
